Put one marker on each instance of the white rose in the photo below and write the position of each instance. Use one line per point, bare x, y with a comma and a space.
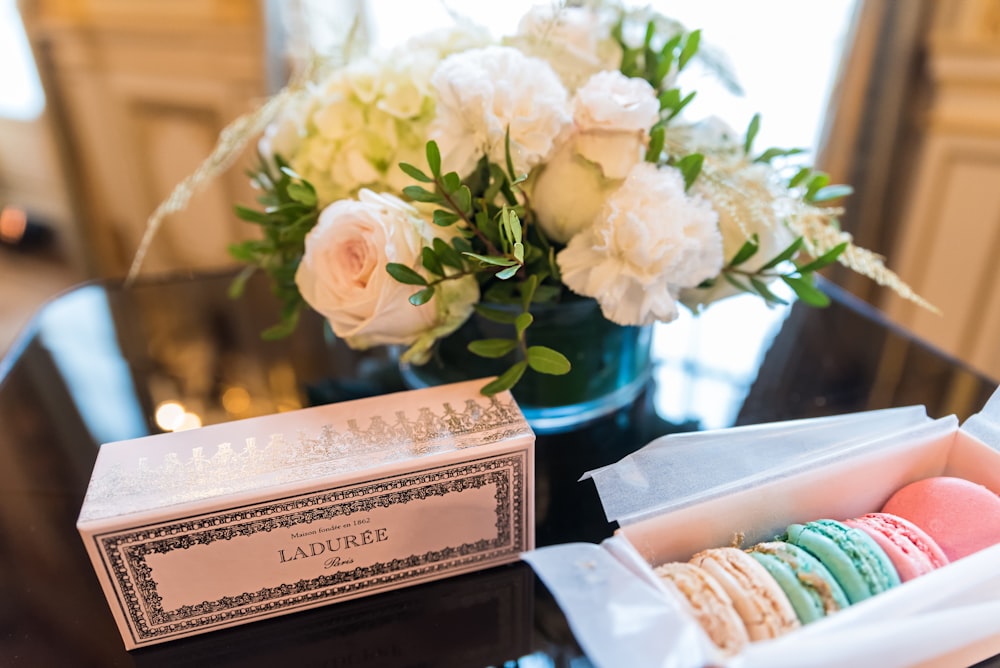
650, 240
342, 275
576, 41
481, 93
567, 193
612, 115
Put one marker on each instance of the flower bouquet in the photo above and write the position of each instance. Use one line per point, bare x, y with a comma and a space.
458, 176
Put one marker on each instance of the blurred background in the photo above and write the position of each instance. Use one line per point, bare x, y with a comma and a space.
105, 105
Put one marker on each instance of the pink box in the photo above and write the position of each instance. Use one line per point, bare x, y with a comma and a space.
205, 529
684, 493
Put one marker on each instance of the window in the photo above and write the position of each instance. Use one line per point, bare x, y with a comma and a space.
21, 96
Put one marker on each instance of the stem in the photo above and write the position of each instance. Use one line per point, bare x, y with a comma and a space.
490, 248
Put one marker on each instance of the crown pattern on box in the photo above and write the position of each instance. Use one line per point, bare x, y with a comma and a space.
179, 479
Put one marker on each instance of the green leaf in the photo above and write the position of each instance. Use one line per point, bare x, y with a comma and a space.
302, 193
244, 252
657, 137
514, 226
498, 180
444, 218
493, 260
434, 158
415, 173
680, 105
528, 288
549, 361
506, 380
506, 151
784, 255
447, 255
670, 98
422, 297
430, 261
650, 34
404, 274
690, 48
507, 273
239, 284
288, 171
806, 291
251, 215
742, 287
752, 131
746, 251
522, 322
799, 177
819, 180
284, 328
451, 182
764, 291
772, 153
492, 348
690, 166
503, 316
828, 193
463, 199
824, 260
421, 194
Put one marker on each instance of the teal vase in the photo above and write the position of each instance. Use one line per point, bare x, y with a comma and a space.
610, 364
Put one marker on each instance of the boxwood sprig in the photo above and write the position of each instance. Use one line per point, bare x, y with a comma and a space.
799, 277
510, 257
290, 211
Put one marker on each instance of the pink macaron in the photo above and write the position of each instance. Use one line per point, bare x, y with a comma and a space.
911, 551
961, 516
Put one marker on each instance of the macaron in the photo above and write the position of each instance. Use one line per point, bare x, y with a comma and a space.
811, 589
912, 552
760, 602
859, 565
961, 516
707, 602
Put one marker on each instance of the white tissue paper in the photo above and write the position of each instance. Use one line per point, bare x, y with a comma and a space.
687, 492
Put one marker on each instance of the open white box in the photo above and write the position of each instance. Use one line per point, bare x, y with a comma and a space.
684, 493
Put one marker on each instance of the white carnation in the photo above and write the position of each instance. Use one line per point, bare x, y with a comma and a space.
650, 240
481, 93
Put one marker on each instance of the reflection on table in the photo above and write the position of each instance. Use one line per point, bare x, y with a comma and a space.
103, 363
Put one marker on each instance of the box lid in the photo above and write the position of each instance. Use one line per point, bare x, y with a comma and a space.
681, 469
985, 425
295, 447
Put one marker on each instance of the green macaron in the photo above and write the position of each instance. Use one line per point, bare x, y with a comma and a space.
810, 587
859, 565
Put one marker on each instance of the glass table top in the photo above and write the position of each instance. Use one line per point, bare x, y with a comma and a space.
104, 363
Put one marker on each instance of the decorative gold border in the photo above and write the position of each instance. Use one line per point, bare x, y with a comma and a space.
124, 552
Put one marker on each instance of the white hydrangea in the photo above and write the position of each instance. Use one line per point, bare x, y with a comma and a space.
483, 92
650, 240
351, 130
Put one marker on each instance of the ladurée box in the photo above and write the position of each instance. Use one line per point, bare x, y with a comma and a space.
209, 528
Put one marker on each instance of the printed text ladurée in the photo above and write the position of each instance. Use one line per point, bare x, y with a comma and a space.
332, 549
